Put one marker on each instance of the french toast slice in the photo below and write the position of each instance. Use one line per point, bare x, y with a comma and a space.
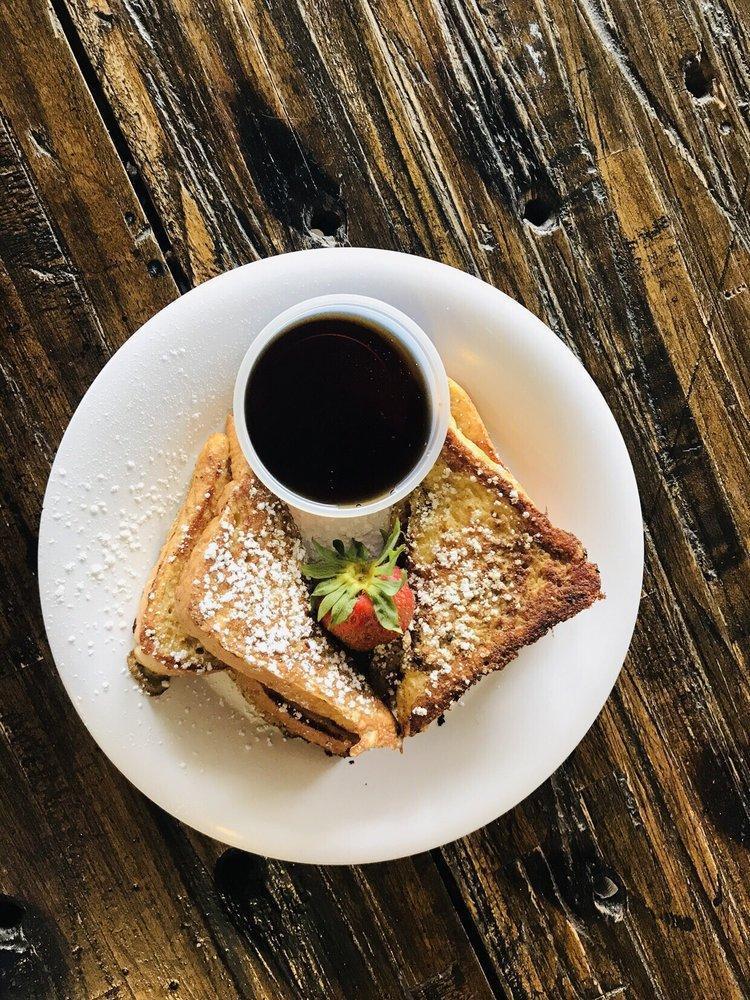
292, 719
242, 597
490, 573
287, 716
162, 648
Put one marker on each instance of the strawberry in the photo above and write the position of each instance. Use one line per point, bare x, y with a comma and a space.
363, 601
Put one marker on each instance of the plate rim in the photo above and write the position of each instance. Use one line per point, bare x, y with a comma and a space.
310, 855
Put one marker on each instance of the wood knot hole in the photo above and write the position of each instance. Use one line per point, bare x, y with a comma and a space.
604, 887
699, 78
324, 222
608, 892
240, 877
540, 213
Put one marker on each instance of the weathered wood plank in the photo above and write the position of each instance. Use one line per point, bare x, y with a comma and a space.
105, 895
347, 932
643, 804
591, 159
98, 911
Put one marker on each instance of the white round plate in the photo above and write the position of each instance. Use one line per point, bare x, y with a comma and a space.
114, 489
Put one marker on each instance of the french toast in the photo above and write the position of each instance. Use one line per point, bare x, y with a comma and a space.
490, 573
288, 717
162, 648
242, 597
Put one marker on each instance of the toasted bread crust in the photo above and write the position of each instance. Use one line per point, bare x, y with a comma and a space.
291, 720
274, 641
160, 646
515, 576
467, 418
238, 464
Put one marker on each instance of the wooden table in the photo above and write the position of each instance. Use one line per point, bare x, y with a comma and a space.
589, 157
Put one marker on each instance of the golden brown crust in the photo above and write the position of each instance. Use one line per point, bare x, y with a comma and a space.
463, 455
153, 684
161, 647
466, 416
243, 598
238, 464
491, 575
290, 720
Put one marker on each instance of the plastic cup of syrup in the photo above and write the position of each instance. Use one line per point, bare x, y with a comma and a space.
341, 407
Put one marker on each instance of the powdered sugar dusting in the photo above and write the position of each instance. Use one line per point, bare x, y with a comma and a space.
469, 552
252, 597
103, 559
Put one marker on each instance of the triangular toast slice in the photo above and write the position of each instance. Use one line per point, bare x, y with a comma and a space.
292, 719
491, 574
162, 648
243, 598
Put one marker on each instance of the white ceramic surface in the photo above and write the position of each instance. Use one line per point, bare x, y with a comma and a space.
113, 490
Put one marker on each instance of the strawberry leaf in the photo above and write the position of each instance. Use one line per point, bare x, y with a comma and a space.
320, 570
345, 572
386, 612
330, 600
322, 552
390, 540
343, 607
390, 586
387, 566
328, 586
362, 554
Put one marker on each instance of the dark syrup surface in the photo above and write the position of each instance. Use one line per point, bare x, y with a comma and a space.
337, 411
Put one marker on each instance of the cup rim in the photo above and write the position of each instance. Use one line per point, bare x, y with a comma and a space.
411, 337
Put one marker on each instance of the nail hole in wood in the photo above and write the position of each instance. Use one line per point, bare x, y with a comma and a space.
609, 895
41, 141
324, 222
11, 913
699, 78
240, 880
155, 268
604, 887
130, 218
539, 213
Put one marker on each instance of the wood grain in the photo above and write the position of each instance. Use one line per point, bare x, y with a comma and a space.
589, 157
102, 893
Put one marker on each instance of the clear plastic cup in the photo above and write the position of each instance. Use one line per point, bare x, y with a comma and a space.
325, 522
